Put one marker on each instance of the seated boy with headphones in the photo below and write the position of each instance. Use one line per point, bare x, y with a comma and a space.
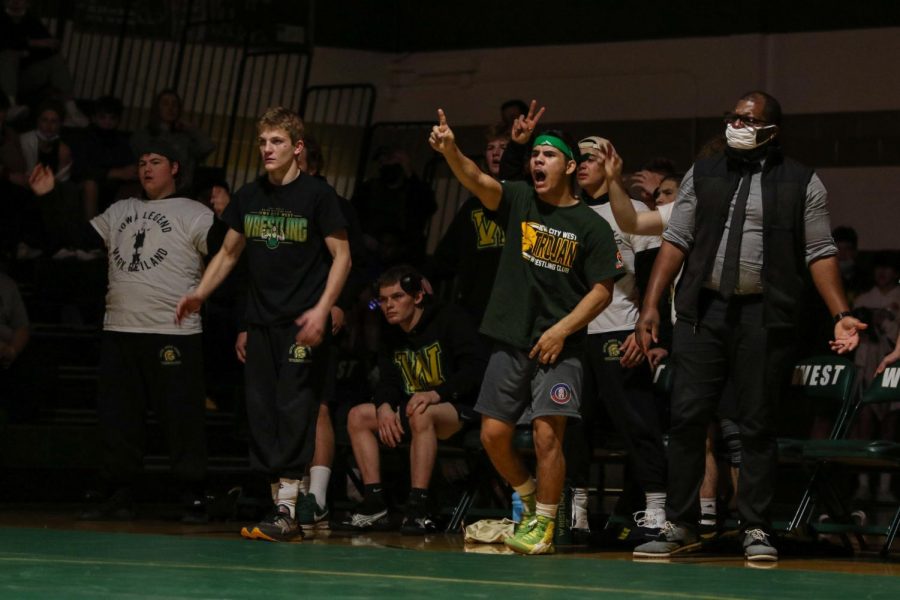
430, 367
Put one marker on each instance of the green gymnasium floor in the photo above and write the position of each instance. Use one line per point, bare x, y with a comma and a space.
83, 563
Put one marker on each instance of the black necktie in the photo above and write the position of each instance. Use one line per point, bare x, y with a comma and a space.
731, 264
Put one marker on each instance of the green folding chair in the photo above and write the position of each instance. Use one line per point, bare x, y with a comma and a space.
827, 379
861, 455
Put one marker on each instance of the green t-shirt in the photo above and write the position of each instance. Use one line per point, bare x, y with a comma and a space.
552, 258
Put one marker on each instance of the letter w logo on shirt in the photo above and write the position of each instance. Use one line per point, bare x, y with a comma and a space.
891, 378
421, 368
487, 234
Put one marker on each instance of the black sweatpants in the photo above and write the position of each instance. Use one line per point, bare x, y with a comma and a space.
165, 374
284, 384
627, 395
730, 342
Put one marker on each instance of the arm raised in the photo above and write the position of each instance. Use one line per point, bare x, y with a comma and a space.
482, 185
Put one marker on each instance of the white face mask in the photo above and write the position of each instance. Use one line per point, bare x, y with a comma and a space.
746, 137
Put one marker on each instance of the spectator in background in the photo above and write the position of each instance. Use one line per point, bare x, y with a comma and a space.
43, 144
880, 307
167, 122
667, 190
223, 317
395, 208
512, 110
13, 192
644, 183
855, 278
30, 62
471, 246
18, 374
12, 163
63, 214
102, 158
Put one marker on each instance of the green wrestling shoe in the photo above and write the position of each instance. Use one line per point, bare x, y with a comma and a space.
534, 536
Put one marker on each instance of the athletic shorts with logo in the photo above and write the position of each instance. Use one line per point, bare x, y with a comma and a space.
514, 383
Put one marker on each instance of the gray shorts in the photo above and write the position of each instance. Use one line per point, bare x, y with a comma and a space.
514, 383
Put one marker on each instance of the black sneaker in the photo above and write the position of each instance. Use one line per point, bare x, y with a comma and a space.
278, 526
647, 525
417, 521
117, 507
366, 516
709, 527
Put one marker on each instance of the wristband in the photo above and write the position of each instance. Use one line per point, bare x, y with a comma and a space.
841, 315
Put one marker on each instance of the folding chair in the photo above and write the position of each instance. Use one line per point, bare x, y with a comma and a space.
830, 379
861, 455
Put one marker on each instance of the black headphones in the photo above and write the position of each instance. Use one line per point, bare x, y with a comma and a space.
411, 283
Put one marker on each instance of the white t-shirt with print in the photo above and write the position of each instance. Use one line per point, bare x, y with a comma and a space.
156, 250
622, 312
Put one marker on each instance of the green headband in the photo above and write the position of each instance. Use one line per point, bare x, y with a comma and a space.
552, 140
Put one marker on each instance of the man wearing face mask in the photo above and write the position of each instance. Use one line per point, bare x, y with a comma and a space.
746, 225
396, 203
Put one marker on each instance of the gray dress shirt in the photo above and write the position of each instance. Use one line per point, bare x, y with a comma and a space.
819, 244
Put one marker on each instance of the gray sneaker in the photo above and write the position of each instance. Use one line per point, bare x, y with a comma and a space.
757, 546
672, 539
278, 526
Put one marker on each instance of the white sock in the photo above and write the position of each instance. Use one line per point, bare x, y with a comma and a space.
526, 489
655, 500
304, 485
287, 493
707, 507
546, 510
273, 487
318, 483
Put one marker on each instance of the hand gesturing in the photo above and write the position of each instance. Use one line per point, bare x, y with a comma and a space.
441, 138
523, 127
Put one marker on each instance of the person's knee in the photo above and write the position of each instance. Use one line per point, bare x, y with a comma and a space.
358, 418
547, 438
494, 434
420, 423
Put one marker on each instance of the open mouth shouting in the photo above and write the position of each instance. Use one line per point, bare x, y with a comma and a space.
540, 177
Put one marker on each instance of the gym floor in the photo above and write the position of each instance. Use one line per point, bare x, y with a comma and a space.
46, 553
